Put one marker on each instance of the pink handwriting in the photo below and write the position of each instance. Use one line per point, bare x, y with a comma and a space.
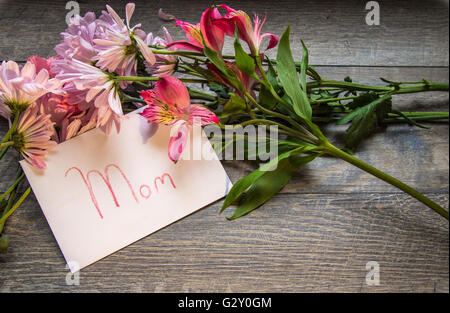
144, 190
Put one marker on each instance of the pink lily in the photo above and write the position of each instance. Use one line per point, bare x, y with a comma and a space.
169, 103
206, 31
251, 35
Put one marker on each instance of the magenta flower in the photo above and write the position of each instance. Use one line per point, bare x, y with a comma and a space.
206, 31
32, 136
247, 32
119, 50
170, 104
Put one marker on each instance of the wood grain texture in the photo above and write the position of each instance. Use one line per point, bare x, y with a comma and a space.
410, 32
312, 242
318, 234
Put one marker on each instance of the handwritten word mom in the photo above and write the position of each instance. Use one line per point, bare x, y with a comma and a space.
144, 190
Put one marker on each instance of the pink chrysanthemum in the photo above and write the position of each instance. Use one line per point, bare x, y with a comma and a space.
77, 41
119, 50
100, 88
165, 64
32, 136
20, 87
69, 111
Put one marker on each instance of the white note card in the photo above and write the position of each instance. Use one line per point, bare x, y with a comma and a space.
101, 193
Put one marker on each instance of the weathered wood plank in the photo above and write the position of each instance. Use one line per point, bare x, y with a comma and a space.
312, 242
410, 33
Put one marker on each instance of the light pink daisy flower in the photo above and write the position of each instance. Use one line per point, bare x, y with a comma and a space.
119, 50
165, 64
77, 41
21, 86
32, 136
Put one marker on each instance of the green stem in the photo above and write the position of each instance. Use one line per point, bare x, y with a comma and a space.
12, 128
15, 206
3, 152
127, 98
13, 186
390, 89
201, 95
333, 99
291, 131
391, 118
311, 138
425, 114
146, 79
332, 150
12, 196
6, 144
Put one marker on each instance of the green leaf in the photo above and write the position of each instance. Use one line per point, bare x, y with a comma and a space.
220, 90
304, 67
287, 74
242, 185
365, 119
244, 62
269, 184
236, 105
266, 98
272, 75
215, 59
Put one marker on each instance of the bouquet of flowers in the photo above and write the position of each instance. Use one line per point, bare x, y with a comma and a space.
104, 67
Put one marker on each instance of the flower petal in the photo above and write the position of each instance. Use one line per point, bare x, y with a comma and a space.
200, 116
178, 140
273, 40
212, 34
115, 16
173, 92
146, 51
129, 9
185, 45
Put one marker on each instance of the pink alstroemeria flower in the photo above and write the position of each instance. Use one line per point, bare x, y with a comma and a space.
206, 31
247, 32
169, 103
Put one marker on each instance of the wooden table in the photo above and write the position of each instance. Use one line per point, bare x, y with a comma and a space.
318, 234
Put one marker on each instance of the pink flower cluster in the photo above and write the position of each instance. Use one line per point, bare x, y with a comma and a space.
213, 28
48, 101
75, 90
